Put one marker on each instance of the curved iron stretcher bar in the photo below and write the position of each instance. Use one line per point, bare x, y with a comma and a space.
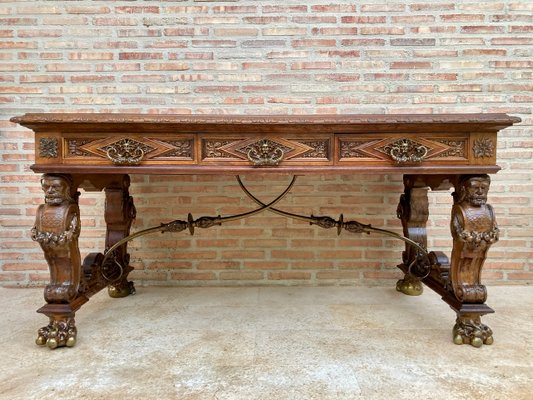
179, 225
339, 224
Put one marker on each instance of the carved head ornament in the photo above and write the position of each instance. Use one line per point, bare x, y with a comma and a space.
474, 189
56, 188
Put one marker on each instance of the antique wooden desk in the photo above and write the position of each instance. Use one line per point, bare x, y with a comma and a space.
99, 151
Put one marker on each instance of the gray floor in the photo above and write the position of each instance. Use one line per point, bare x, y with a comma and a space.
268, 343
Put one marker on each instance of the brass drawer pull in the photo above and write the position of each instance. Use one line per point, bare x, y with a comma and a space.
125, 152
265, 153
406, 151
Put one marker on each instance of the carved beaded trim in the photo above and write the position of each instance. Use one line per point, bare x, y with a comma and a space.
48, 148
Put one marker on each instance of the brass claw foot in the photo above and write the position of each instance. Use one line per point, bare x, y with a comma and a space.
472, 331
121, 289
58, 333
410, 285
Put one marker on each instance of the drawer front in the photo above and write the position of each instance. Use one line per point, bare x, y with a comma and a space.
266, 150
397, 149
129, 149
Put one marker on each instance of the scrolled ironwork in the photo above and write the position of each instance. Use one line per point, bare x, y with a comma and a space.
322, 221
191, 223
340, 224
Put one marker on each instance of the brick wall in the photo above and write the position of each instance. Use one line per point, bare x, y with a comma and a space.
275, 57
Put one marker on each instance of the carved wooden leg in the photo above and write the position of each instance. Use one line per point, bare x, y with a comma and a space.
56, 229
119, 214
474, 230
413, 210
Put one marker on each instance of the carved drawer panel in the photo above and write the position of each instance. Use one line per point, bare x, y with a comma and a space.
401, 149
265, 150
129, 149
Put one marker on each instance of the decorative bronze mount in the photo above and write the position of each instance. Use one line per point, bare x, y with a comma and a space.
422, 259
125, 152
406, 151
265, 153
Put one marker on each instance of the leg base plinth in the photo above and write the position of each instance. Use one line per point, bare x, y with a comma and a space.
470, 330
410, 285
121, 289
60, 332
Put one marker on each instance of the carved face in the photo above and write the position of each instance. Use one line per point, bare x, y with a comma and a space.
476, 190
56, 190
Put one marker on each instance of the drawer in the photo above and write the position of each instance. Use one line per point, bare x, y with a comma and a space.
128, 149
265, 150
398, 149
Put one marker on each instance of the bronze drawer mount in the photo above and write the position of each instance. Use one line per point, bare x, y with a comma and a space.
265, 153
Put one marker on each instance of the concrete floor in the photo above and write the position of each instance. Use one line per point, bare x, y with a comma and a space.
268, 343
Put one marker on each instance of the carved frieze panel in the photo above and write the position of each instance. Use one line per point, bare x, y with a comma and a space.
401, 149
456, 148
354, 148
237, 150
180, 148
141, 148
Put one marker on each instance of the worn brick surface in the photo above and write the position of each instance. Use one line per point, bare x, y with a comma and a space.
268, 57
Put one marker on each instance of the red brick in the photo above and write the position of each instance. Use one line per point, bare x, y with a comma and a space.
306, 43
289, 275
235, 9
462, 17
410, 65
353, 19
241, 275
284, 9
137, 9
243, 58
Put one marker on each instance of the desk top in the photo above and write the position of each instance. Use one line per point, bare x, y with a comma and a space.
299, 144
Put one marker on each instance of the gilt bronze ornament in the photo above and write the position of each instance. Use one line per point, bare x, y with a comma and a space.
265, 153
406, 151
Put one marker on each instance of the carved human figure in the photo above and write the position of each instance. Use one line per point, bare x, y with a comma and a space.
474, 230
57, 227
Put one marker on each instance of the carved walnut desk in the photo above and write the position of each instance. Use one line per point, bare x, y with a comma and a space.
99, 151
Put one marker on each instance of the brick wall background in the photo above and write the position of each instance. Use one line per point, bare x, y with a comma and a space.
266, 57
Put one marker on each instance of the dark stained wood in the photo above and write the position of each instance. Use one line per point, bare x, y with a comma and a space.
98, 151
